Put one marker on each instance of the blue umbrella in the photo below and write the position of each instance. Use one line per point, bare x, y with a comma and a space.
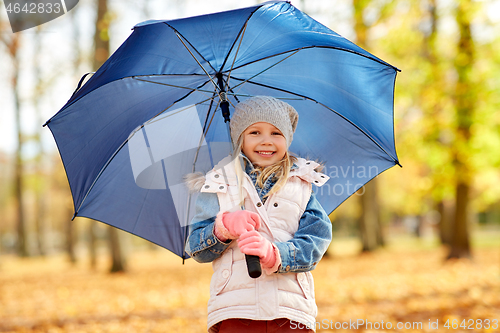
158, 108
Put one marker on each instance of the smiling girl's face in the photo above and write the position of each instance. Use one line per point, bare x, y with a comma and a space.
263, 144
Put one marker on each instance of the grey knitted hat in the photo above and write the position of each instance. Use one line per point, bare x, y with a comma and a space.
264, 109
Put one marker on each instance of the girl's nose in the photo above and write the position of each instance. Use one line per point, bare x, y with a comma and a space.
266, 139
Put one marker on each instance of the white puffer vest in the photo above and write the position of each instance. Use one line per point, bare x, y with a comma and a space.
233, 293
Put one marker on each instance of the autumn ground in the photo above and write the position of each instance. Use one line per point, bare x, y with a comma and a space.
406, 284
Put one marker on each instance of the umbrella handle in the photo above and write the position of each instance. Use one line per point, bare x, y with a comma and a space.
253, 262
253, 266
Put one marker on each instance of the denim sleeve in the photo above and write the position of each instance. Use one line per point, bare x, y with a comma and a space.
202, 245
309, 243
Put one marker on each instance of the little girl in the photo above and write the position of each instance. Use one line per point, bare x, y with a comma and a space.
282, 223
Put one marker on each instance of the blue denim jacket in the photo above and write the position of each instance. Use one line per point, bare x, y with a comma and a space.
300, 254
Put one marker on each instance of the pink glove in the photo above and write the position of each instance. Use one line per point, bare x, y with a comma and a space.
255, 244
232, 225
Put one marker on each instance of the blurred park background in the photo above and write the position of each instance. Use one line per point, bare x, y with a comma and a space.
417, 243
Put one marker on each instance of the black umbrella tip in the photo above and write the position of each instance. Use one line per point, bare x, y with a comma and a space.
397, 163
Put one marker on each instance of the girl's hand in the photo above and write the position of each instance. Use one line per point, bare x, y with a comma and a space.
255, 244
232, 225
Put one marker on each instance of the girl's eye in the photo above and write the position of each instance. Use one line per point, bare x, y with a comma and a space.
253, 132
277, 133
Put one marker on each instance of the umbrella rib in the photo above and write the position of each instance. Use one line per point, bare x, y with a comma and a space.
210, 98
166, 74
280, 98
203, 68
340, 115
320, 47
232, 93
173, 85
297, 50
121, 146
236, 55
264, 70
241, 30
188, 203
205, 127
187, 41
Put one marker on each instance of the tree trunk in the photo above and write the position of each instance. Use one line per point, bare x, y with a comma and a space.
118, 261
434, 111
101, 53
70, 241
360, 27
465, 99
70, 234
41, 187
370, 227
22, 246
40, 222
101, 36
460, 245
92, 244
445, 210
101, 43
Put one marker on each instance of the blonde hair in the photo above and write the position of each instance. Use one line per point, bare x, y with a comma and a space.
281, 170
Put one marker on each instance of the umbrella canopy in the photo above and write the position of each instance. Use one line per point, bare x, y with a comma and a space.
151, 113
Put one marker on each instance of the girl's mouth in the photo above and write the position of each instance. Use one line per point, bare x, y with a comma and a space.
266, 153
